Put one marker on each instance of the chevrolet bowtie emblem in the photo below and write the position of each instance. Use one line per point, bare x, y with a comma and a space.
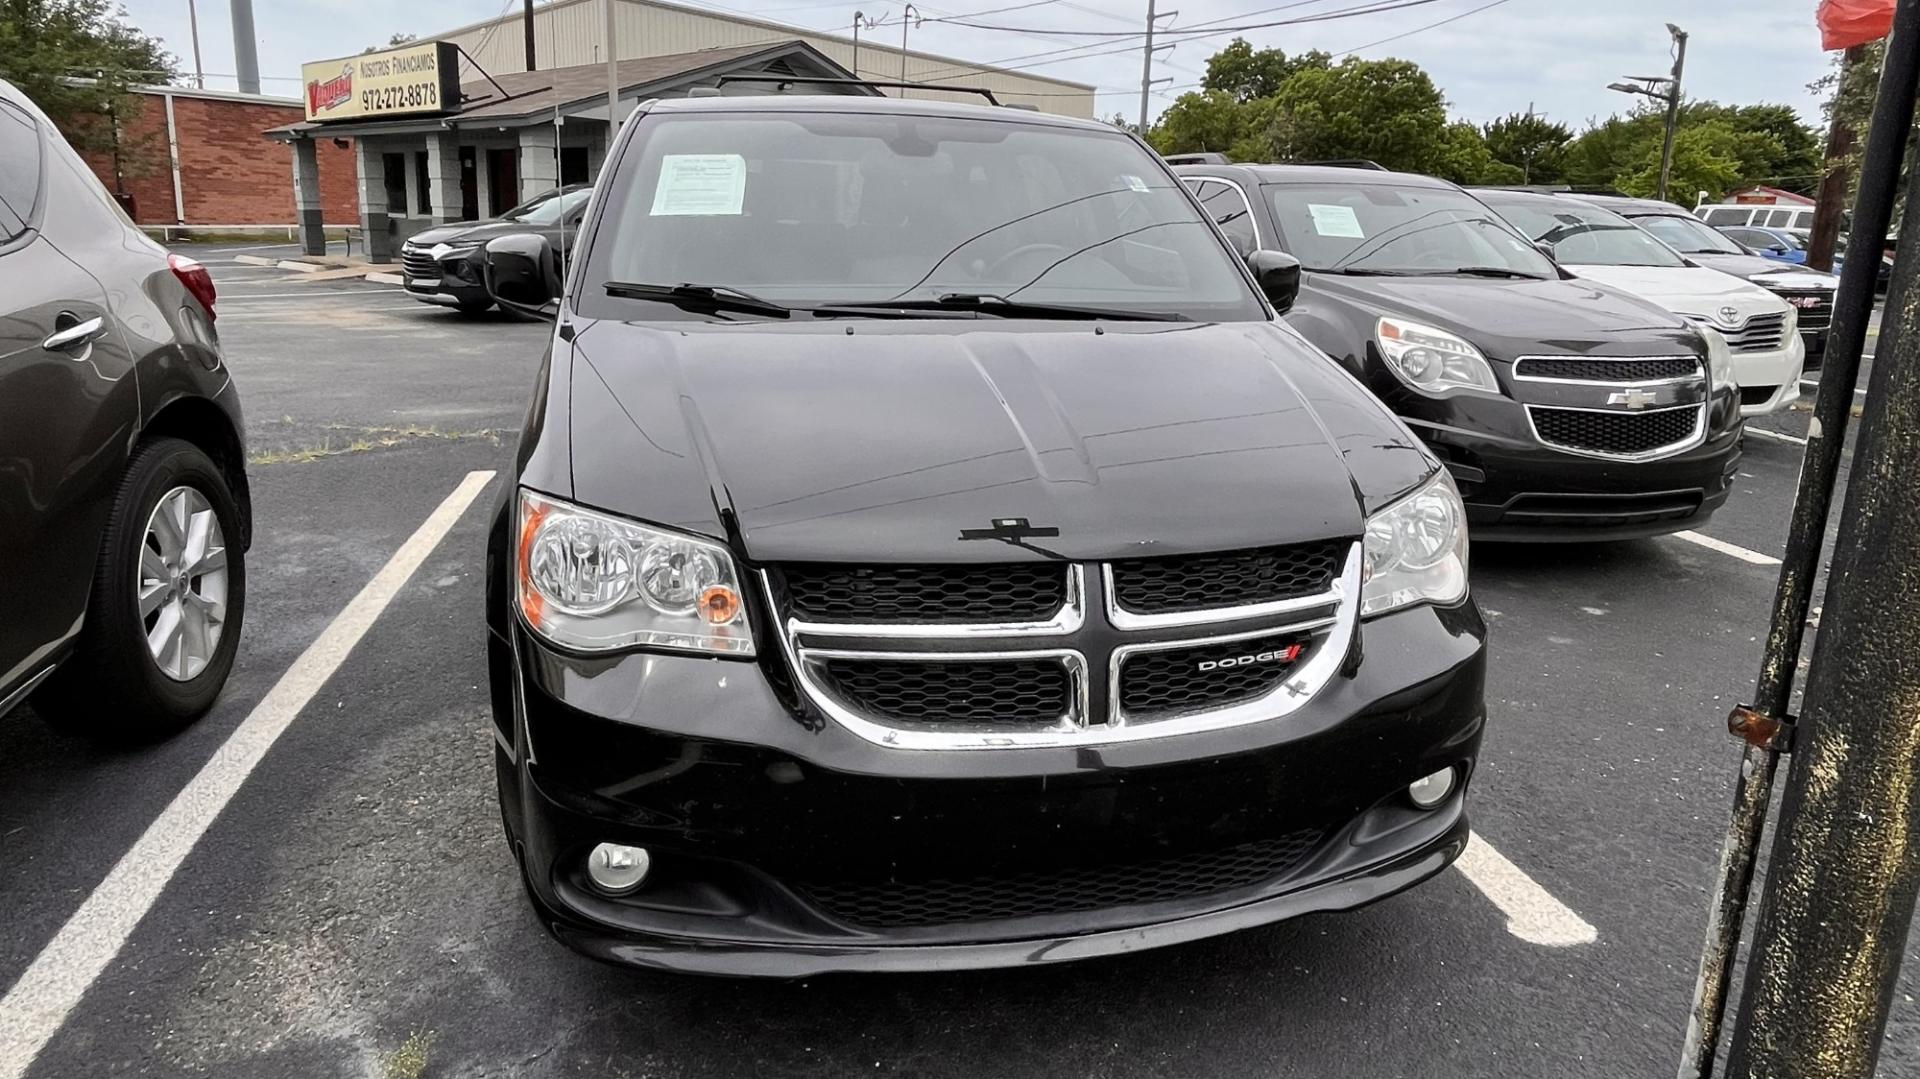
1634, 398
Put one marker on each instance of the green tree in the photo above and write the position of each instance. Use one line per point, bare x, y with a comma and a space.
1213, 120
1706, 157
1465, 158
76, 59
1387, 111
1248, 74
1532, 145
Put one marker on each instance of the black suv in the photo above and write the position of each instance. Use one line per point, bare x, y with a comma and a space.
123, 490
928, 550
1565, 410
442, 265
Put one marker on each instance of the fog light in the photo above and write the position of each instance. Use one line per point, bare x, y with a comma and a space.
1429, 791
617, 870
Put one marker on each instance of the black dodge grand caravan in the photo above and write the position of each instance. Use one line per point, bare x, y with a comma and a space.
928, 550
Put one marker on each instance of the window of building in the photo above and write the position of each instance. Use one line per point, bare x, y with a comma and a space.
573, 165
421, 183
394, 170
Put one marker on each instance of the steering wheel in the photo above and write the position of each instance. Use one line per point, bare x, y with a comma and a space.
993, 270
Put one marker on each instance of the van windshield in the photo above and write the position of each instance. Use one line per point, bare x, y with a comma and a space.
1687, 235
806, 210
1395, 229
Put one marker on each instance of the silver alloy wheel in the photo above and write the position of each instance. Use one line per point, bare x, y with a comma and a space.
183, 583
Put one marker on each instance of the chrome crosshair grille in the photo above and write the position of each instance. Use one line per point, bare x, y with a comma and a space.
894, 666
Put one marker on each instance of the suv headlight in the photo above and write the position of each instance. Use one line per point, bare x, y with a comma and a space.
1432, 361
596, 583
451, 250
1719, 357
1416, 550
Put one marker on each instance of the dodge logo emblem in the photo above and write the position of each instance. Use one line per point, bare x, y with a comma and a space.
1277, 655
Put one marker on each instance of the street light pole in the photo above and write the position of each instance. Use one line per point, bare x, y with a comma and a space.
857, 16
909, 17
1673, 106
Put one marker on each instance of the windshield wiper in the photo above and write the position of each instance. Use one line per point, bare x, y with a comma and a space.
1494, 271
1362, 271
700, 297
989, 303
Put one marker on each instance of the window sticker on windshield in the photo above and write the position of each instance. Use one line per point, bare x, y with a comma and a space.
1335, 221
1135, 183
700, 185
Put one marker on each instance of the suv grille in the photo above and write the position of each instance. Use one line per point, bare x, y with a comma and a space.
1762, 333
1815, 307
1013, 693
1236, 578
1012, 592
901, 904
1585, 369
1615, 434
1170, 681
418, 263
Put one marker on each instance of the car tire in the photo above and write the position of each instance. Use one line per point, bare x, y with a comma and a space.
113, 687
474, 307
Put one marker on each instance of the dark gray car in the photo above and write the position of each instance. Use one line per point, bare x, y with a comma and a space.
443, 264
123, 493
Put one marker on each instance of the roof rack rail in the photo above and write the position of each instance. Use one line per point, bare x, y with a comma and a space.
1346, 163
789, 80
1197, 159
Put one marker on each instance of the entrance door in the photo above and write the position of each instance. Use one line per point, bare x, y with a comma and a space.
469, 185
503, 180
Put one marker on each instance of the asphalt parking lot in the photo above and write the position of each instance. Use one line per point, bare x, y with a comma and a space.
351, 907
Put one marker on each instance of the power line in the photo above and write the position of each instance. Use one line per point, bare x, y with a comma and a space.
1429, 26
1371, 8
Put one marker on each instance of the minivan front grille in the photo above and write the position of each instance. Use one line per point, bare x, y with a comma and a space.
1173, 681
975, 693
1606, 369
1606, 433
932, 594
900, 904
1236, 578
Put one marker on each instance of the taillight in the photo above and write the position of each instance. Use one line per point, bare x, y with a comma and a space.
196, 279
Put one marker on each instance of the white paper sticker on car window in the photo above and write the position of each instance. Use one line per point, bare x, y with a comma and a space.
1335, 221
700, 185
1135, 182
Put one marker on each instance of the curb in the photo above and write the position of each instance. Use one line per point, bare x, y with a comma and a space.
386, 279
256, 260
303, 267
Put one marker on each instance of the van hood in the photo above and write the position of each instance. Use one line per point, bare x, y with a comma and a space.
1687, 290
891, 440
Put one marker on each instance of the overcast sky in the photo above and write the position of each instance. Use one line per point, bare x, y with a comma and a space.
1557, 54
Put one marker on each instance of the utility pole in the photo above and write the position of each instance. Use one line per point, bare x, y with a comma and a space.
1146, 62
1845, 866
193, 31
1832, 199
1673, 106
526, 31
857, 16
613, 80
909, 17
1840, 890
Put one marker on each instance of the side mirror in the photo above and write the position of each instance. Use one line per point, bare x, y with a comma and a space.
1778, 249
523, 274
1278, 275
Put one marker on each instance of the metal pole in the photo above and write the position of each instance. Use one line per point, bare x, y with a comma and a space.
1146, 70
613, 80
246, 51
1765, 723
1673, 107
857, 16
193, 31
1844, 870
1832, 196
526, 31
908, 17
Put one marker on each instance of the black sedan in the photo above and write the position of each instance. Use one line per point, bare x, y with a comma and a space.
124, 516
442, 264
1565, 410
920, 557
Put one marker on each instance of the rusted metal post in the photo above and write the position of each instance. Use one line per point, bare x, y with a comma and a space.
1845, 867
1766, 726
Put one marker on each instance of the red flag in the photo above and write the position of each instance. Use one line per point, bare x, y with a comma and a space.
1846, 23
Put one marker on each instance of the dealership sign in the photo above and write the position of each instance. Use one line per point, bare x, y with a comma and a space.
391, 82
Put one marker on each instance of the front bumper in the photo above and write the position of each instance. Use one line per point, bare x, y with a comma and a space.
1770, 381
773, 829
452, 281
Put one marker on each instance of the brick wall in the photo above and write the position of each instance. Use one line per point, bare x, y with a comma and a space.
230, 173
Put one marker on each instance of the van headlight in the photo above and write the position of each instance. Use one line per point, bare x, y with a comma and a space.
596, 583
1719, 358
1432, 360
1416, 550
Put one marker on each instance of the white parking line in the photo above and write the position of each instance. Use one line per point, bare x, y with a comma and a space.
1815, 383
1729, 549
1533, 914
310, 294
1775, 435
39, 1003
